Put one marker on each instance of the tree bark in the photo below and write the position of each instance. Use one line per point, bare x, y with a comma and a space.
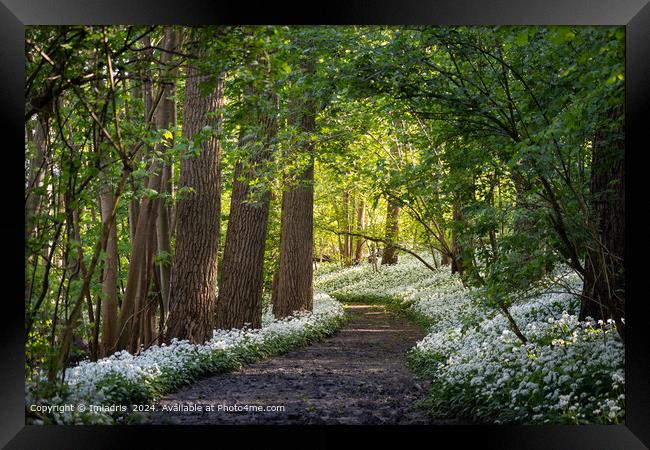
350, 227
392, 233
347, 229
137, 279
294, 286
149, 294
131, 312
360, 227
242, 274
35, 176
32, 200
194, 272
165, 119
109, 278
240, 288
445, 260
603, 295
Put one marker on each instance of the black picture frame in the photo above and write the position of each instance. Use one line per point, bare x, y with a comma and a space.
633, 14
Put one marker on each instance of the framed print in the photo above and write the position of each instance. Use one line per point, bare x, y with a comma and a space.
384, 220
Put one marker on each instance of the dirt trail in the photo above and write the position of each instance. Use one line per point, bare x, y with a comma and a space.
357, 376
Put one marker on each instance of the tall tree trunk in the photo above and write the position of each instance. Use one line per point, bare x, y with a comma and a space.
194, 272
159, 326
33, 199
141, 252
148, 295
164, 241
137, 279
165, 119
142, 332
36, 171
109, 278
350, 219
294, 287
242, 273
604, 284
134, 212
360, 227
392, 233
346, 228
74, 219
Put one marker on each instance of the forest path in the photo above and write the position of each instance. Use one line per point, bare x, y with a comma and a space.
357, 376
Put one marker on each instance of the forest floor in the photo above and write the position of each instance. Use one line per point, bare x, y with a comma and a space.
357, 376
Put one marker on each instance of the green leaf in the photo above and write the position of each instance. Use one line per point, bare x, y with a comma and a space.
285, 68
561, 35
522, 38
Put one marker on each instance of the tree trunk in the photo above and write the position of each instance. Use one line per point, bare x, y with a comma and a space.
294, 287
240, 288
149, 293
604, 284
144, 311
345, 254
33, 200
141, 252
392, 233
163, 244
242, 274
35, 176
165, 119
194, 272
350, 210
360, 229
109, 278
134, 212
445, 260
